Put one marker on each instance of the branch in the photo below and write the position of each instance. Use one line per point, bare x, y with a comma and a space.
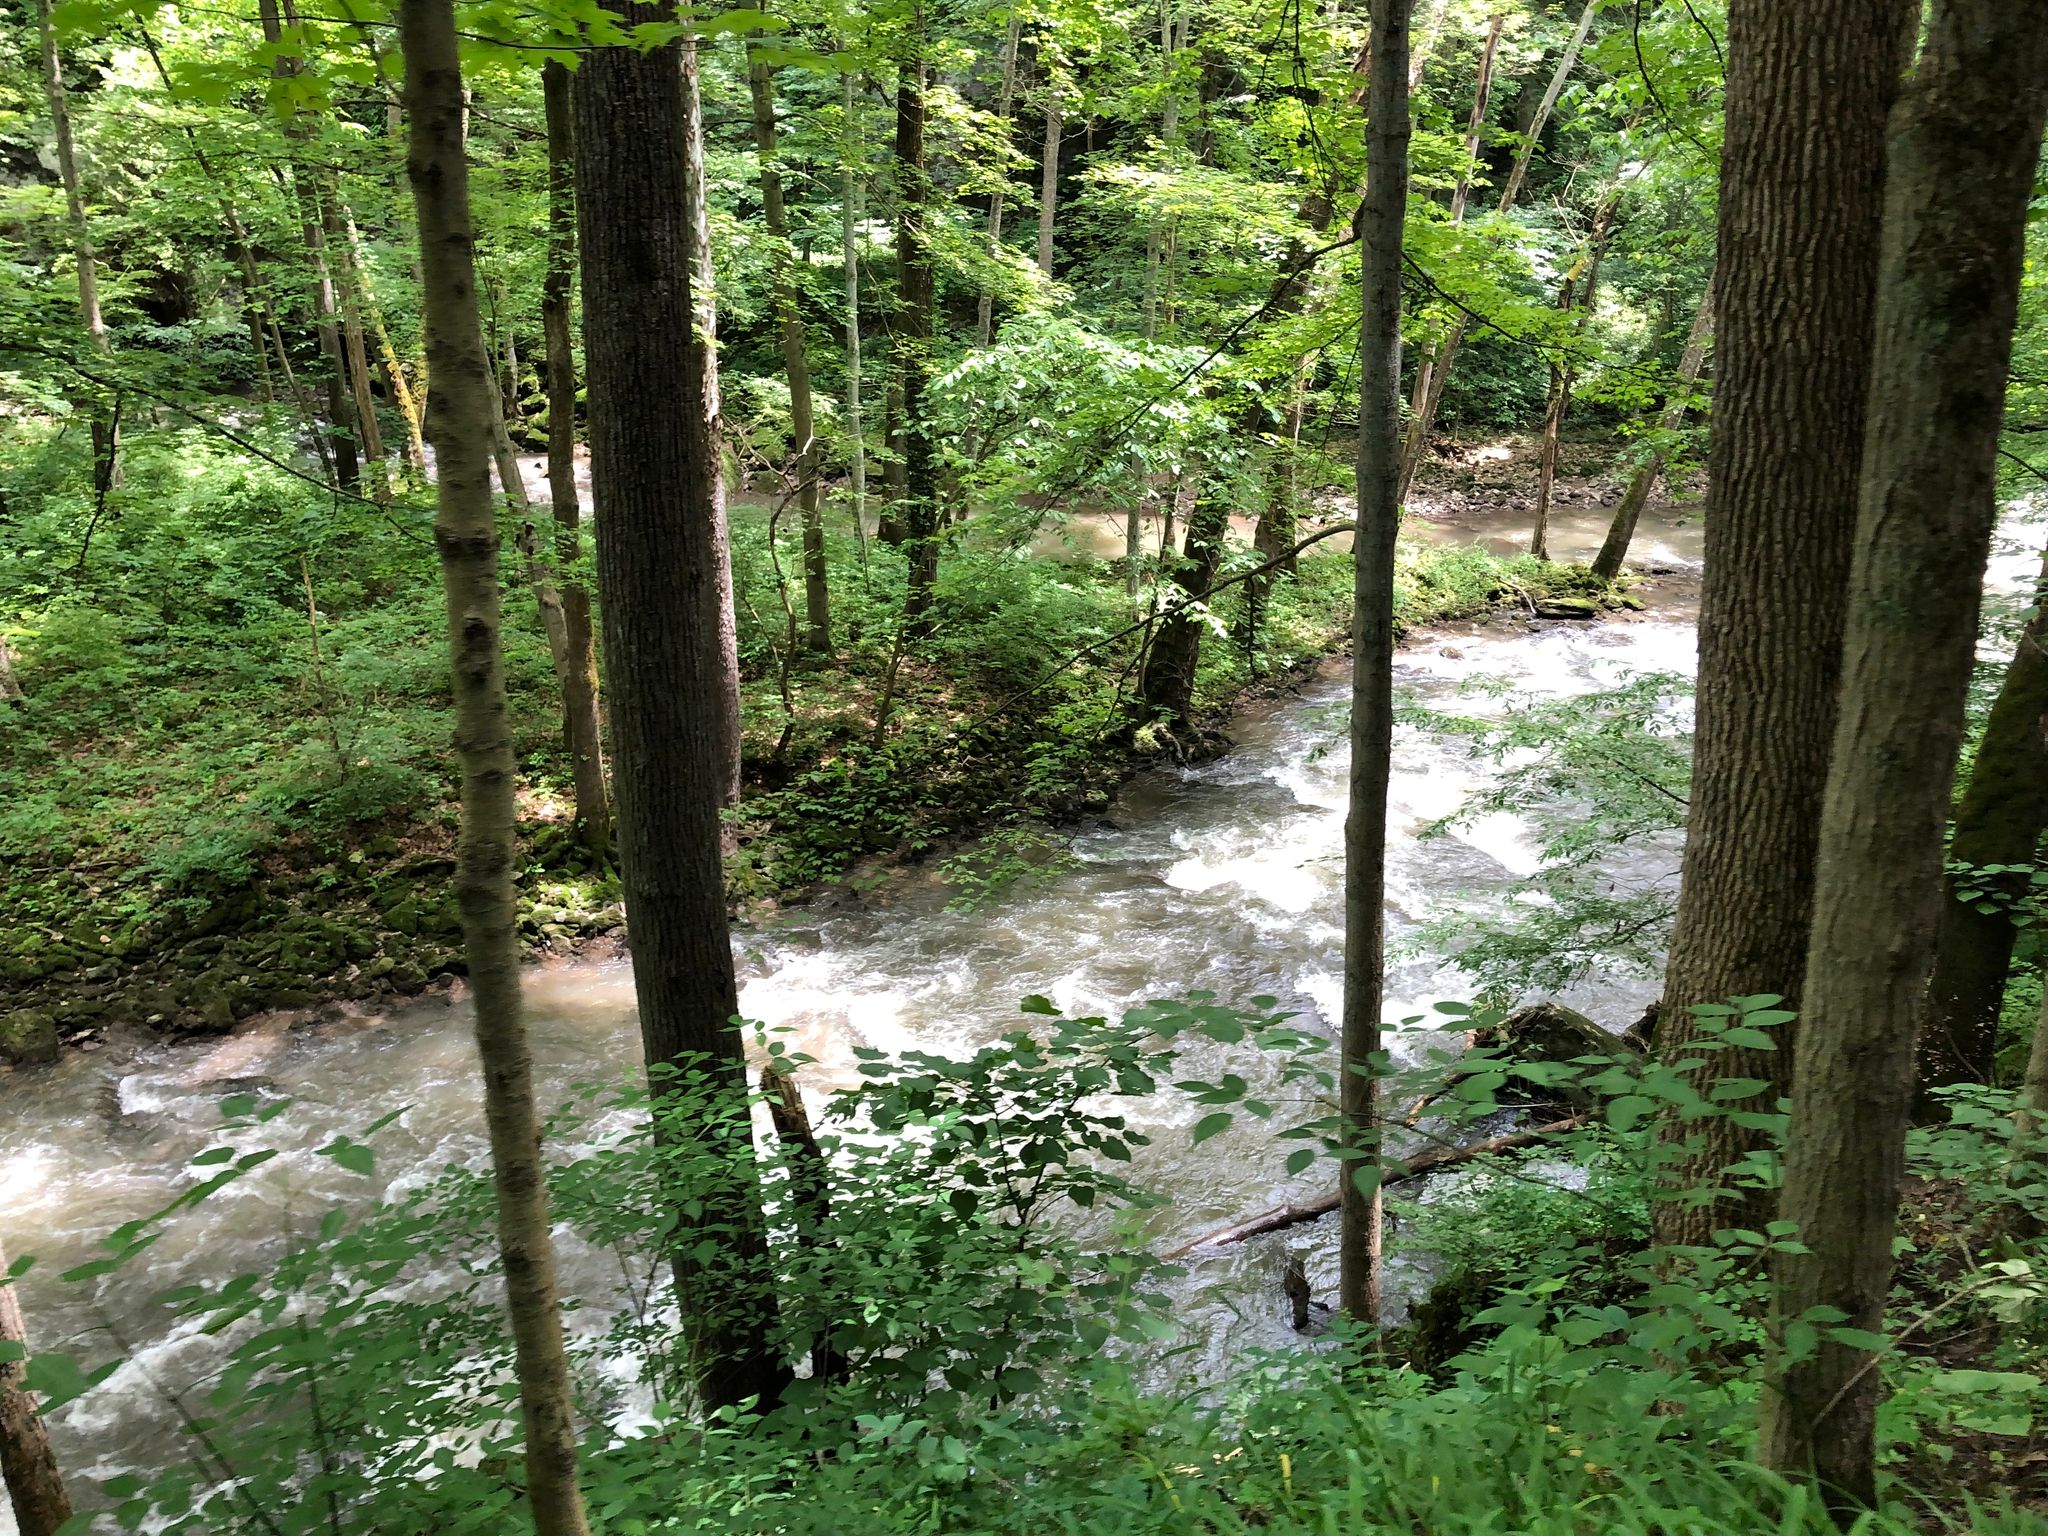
1282, 1217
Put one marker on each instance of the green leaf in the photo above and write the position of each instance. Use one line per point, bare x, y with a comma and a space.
1298, 1161
1210, 1125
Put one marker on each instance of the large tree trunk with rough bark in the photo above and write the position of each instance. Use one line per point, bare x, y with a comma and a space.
461, 421
1622, 531
1809, 89
912, 332
1999, 820
1372, 656
35, 1488
657, 564
1963, 153
796, 362
580, 724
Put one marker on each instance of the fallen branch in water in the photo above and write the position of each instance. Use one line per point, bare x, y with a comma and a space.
1281, 1217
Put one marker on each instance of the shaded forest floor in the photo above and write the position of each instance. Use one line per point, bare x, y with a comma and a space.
251, 809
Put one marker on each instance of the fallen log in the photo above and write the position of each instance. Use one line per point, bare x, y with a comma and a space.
1282, 1217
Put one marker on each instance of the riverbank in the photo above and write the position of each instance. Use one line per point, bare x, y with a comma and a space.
184, 893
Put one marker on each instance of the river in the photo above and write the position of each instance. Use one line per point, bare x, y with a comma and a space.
1224, 876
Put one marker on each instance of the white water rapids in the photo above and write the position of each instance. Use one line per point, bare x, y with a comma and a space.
1224, 877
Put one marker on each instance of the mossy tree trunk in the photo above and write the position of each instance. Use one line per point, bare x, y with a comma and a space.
460, 422
1963, 152
1809, 89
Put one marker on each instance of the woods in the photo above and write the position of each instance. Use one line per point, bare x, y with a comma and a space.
953, 767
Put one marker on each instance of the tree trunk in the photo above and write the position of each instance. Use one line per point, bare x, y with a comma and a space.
795, 358
341, 440
580, 724
1431, 377
709, 443
394, 370
106, 446
913, 329
1963, 149
1564, 373
1372, 656
1621, 533
998, 200
362, 404
849, 237
1999, 820
466, 533
1049, 171
1166, 689
657, 562
35, 1488
1809, 88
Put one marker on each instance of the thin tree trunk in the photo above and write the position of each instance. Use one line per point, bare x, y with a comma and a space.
1999, 820
394, 371
106, 446
1169, 135
849, 236
1166, 687
1431, 379
915, 294
795, 358
1049, 171
1564, 373
341, 439
1809, 90
998, 200
657, 562
487, 852
35, 1488
1963, 149
363, 404
1372, 657
581, 731
709, 443
1621, 533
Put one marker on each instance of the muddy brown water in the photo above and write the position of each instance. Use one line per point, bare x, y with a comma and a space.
1224, 877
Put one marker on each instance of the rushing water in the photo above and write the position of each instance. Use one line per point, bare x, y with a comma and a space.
1224, 877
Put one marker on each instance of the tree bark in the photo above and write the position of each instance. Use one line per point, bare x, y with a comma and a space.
1564, 372
1622, 531
1166, 687
1963, 149
1372, 657
795, 358
657, 562
580, 723
106, 447
1809, 88
912, 342
1999, 820
394, 371
460, 423
998, 200
1435, 371
35, 1487
849, 239
709, 442
354, 349
1049, 171
341, 429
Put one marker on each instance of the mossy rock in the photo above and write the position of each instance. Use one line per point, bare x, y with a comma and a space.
28, 1036
1567, 608
403, 916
